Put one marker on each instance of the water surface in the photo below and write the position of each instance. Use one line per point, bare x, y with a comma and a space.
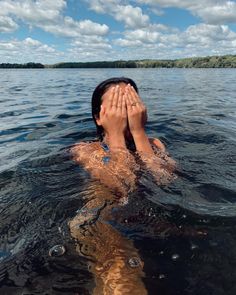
191, 110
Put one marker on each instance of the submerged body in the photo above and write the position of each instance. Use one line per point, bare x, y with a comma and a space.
116, 162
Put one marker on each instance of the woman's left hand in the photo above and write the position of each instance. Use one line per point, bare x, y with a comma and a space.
136, 111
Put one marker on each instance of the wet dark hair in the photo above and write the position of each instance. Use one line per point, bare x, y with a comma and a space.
97, 98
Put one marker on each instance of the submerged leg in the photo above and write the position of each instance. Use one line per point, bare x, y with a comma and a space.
116, 264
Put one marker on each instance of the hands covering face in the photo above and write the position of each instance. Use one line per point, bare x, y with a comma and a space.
136, 110
124, 108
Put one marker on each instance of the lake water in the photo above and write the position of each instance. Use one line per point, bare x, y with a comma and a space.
191, 110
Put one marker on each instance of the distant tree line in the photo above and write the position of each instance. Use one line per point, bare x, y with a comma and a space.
226, 61
29, 65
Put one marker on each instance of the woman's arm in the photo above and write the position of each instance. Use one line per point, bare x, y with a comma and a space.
137, 117
151, 151
160, 145
115, 167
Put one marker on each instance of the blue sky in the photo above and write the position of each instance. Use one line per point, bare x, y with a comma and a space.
51, 31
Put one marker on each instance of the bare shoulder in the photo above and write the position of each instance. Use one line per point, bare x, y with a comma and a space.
170, 163
82, 151
160, 145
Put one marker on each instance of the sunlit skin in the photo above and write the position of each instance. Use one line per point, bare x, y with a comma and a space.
122, 116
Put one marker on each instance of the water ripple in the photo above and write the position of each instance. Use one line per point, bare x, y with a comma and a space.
188, 224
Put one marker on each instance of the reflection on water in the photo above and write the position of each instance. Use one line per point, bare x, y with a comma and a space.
181, 235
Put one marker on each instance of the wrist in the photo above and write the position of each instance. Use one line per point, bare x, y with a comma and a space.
139, 134
116, 141
142, 143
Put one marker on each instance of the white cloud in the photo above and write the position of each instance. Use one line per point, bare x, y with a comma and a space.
131, 16
33, 12
31, 42
47, 15
158, 12
71, 28
152, 34
96, 42
142, 35
90, 40
88, 48
128, 43
196, 40
7, 25
211, 11
208, 34
5, 46
218, 13
16, 51
85, 48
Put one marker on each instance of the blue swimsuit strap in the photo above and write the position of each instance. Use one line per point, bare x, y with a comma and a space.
105, 147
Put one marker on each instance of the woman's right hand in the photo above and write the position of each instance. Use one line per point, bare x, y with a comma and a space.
113, 116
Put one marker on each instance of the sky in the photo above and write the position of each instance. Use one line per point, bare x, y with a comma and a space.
52, 31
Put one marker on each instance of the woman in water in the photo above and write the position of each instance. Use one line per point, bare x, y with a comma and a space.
114, 160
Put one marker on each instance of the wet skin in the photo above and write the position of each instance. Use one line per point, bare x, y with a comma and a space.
123, 116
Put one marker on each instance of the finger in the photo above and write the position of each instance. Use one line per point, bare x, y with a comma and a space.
123, 106
133, 91
135, 95
128, 103
115, 97
131, 99
110, 100
119, 102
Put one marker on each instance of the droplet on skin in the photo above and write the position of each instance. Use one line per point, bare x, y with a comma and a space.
57, 251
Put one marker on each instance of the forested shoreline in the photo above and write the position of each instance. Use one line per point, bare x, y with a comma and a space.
226, 61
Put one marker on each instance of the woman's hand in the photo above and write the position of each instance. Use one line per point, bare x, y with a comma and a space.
113, 118
136, 111
137, 117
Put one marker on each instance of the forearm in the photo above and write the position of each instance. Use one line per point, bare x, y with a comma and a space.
161, 166
142, 142
116, 142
